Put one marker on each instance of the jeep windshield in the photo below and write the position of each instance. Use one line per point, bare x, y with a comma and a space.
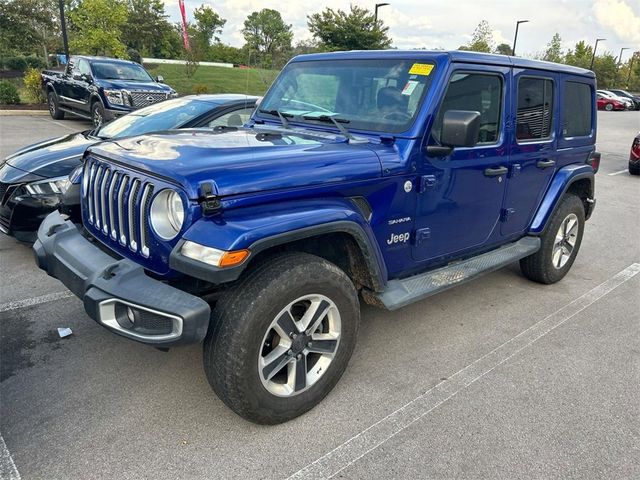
380, 95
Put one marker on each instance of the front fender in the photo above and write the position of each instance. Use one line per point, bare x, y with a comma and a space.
263, 227
558, 187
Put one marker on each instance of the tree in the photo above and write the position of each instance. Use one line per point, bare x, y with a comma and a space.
28, 26
266, 34
147, 29
580, 56
482, 39
97, 27
355, 30
504, 49
208, 24
553, 52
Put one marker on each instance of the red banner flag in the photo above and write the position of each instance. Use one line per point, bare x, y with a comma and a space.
185, 33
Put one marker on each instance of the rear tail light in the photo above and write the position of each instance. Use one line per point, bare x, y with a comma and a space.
594, 161
635, 149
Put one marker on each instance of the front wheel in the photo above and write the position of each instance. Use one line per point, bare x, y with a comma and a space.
97, 114
559, 243
281, 339
608, 107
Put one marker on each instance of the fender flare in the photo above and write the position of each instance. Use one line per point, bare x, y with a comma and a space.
343, 220
558, 187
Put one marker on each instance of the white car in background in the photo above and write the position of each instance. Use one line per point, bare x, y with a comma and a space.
628, 103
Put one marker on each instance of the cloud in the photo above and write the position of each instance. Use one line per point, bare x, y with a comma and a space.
618, 16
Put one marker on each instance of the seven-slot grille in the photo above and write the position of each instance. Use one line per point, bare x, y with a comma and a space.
117, 205
142, 99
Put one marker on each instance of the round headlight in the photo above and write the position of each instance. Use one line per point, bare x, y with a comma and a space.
167, 214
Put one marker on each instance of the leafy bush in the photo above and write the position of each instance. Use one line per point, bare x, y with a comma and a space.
8, 93
200, 88
134, 55
21, 63
33, 85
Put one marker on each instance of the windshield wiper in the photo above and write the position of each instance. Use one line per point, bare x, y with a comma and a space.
282, 115
336, 121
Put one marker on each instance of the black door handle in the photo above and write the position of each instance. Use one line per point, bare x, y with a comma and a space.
546, 163
495, 172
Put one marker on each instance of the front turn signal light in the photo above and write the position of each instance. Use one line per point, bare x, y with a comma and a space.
231, 259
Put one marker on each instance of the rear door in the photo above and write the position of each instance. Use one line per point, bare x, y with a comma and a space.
533, 154
460, 195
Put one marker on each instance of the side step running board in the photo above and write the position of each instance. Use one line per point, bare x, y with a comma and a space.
408, 290
73, 112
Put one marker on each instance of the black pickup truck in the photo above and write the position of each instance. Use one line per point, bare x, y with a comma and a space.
100, 88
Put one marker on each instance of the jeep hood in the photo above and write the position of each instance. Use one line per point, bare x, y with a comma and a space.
244, 161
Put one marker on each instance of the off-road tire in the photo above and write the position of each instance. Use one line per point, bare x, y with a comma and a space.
539, 267
54, 106
241, 318
97, 112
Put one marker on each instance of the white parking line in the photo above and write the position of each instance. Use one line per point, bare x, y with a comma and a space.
618, 173
349, 452
29, 302
8, 470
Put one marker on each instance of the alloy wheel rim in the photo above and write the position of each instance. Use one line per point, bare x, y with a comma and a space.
97, 118
565, 241
299, 345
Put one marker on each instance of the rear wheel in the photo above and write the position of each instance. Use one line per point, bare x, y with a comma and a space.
54, 107
281, 339
560, 244
634, 168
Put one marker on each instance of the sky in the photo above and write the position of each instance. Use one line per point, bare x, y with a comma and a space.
448, 24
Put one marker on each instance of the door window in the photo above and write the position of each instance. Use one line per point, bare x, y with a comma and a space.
535, 109
236, 118
83, 68
478, 92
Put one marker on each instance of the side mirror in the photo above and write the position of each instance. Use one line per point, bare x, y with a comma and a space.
460, 128
160, 79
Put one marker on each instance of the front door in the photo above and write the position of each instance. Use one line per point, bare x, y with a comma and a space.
461, 195
533, 150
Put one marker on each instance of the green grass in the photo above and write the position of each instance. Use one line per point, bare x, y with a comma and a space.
251, 81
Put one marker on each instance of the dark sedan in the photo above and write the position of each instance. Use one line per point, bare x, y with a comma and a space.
33, 180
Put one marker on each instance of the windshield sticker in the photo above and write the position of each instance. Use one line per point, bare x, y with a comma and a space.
409, 87
421, 69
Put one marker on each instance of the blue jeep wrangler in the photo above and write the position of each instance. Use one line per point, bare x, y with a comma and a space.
378, 176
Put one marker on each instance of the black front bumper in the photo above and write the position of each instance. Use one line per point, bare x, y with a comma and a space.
117, 293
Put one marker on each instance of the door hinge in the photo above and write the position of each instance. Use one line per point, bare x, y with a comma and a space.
422, 235
505, 213
426, 182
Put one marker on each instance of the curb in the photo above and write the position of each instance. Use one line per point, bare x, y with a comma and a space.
27, 113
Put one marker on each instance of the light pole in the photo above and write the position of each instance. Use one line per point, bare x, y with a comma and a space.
620, 57
515, 38
593, 57
63, 26
378, 5
630, 68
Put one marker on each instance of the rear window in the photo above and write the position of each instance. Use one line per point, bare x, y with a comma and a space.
535, 108
577, 110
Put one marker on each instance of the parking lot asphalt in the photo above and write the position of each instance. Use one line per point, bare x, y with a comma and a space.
497, 378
